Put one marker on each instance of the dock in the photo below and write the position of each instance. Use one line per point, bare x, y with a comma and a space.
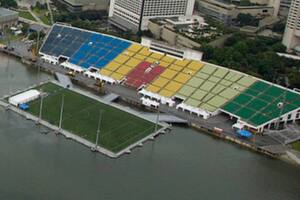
68, 135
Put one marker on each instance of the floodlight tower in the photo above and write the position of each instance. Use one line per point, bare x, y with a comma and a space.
98, 128
8, 60
280, 106
8, 75
157, 120
41, 107
61, 111
37, 52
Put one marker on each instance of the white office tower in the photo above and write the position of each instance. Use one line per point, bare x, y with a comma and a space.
291, 37
134, 15
284, 7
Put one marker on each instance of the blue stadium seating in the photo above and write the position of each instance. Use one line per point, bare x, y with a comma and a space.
93, 59
102, 63
84, 48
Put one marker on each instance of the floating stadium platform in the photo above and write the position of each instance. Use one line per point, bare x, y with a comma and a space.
189, 85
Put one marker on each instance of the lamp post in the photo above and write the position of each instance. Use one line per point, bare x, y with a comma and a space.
61, 111
280, 106
41, 107
98, 128
37, 52
157, 120
6, 35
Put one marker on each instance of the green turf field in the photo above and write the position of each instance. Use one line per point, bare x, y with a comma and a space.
296, 146
119, 129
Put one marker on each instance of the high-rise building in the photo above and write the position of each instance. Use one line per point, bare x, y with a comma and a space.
281, 7
226, 11
284, 7
134, 15
291, 37
76, 6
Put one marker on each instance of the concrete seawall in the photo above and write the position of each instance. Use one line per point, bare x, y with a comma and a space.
235, 141
294, 156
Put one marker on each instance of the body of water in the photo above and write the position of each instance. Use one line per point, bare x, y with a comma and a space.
183, 165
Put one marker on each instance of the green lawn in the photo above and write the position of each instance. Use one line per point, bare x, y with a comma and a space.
38, 11
296, 146
45, 19
26, 15
42, 15
119, 129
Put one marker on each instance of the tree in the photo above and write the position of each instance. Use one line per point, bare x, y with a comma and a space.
9, 3
241, 47
247, 20
41, 6
233, 39
278, 47
25, 28
64, 16
294, 78
208, 52
245, 3
256, 56
279, 27
34, 36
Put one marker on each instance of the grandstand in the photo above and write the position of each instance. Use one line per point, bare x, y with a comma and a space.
188, 85
83, 48
257, 106
143, 74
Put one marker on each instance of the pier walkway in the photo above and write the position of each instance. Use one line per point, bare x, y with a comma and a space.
290, 134
167, 118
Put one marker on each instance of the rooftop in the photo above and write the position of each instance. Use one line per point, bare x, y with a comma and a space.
6, 12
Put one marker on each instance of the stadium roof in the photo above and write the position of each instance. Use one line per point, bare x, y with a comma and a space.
203, 86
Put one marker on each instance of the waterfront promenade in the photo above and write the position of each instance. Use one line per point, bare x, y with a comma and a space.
260, 143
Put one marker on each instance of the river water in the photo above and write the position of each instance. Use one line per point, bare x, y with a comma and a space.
183, 165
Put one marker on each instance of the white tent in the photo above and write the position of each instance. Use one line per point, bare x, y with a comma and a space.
157, 97
149, 102
24, 97
238, 125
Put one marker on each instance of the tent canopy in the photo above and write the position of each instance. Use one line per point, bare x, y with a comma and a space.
244, 133
238, 126
24, 97
24, 106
